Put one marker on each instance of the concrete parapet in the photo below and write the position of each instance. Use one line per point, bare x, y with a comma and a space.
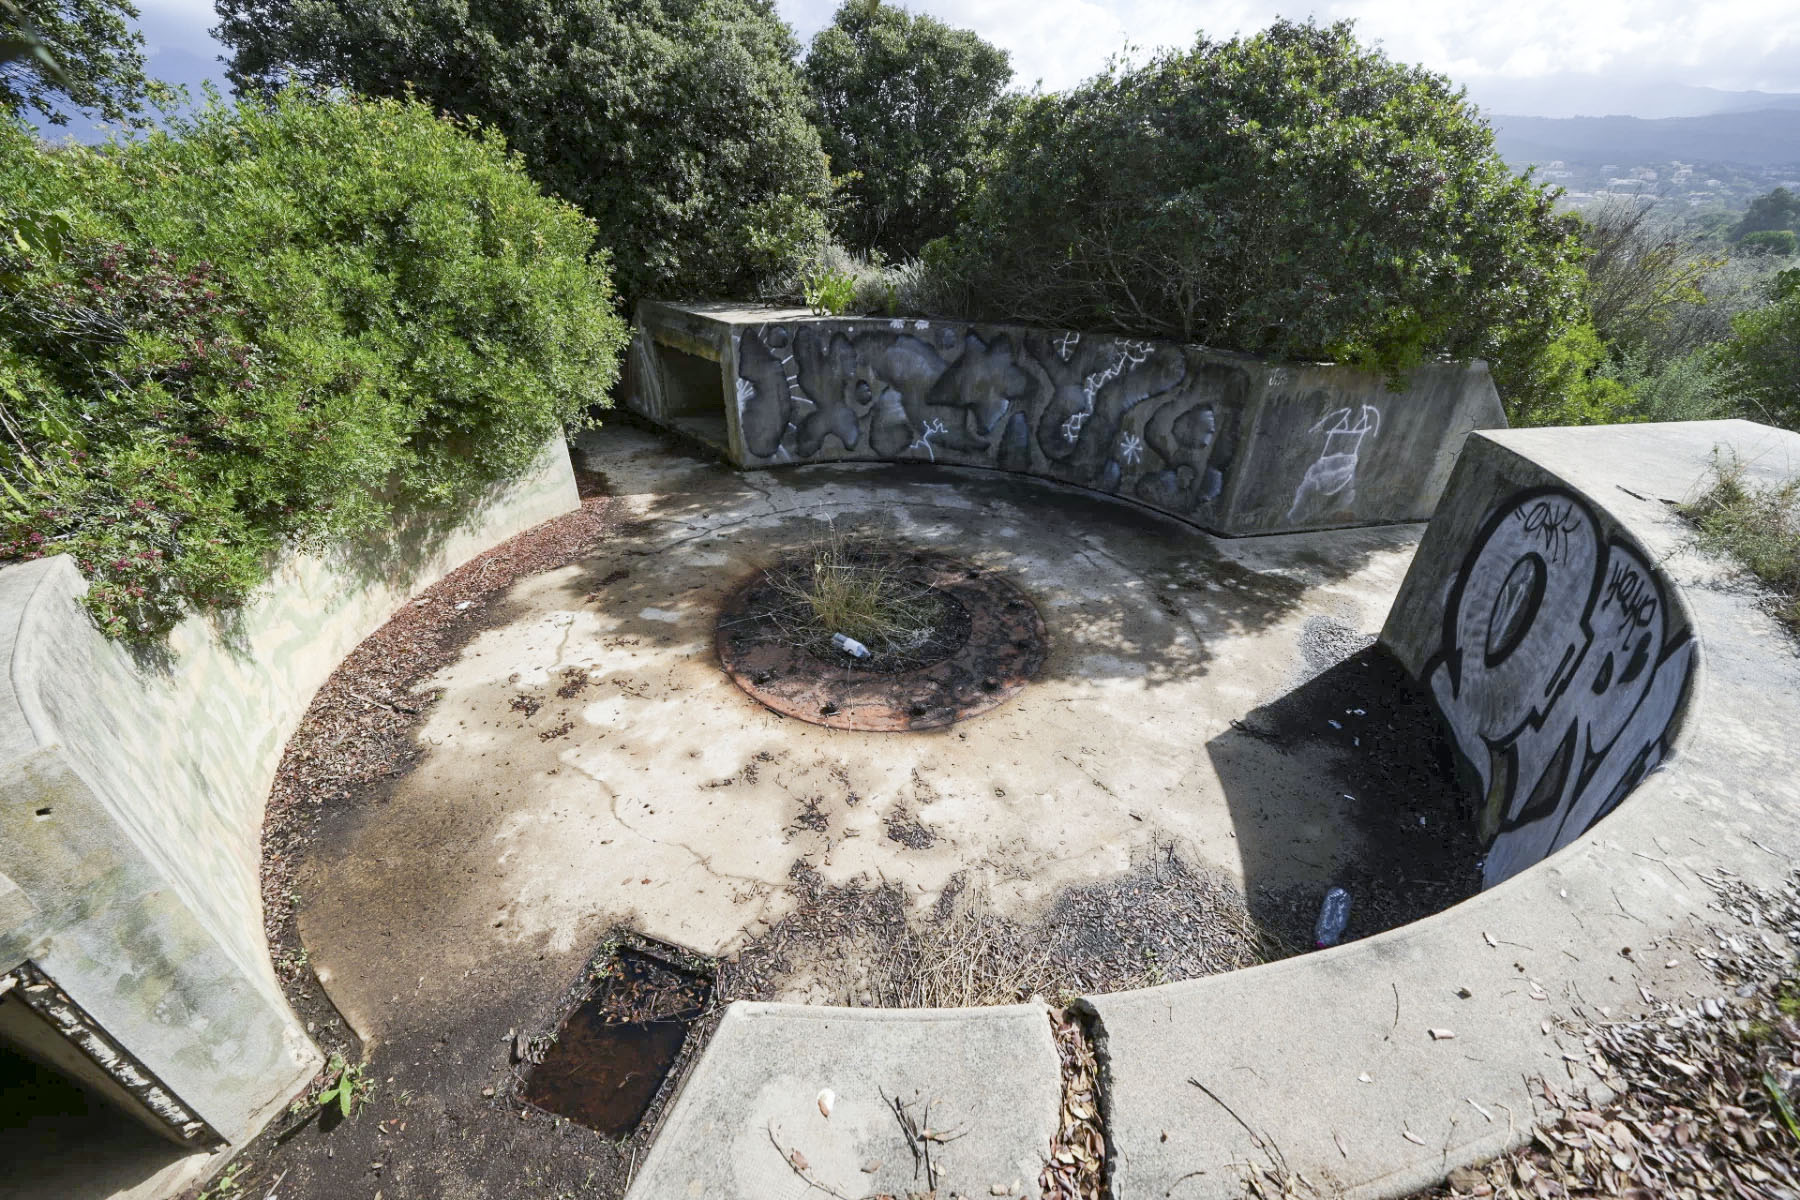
1233, 444
1328, 1065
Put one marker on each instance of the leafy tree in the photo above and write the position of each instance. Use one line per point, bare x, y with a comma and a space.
1763, 353
1292, 194
1780, 209
270, 323
678, 125
82, 53
904, 104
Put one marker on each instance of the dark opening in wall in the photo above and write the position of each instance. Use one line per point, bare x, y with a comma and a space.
693, 394
66, 1130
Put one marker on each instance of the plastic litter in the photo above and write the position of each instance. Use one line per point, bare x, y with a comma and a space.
1334, 915
849, 645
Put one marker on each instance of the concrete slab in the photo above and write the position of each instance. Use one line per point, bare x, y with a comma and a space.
749, 1123
657, 796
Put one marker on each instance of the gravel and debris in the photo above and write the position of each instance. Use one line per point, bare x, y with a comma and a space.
903, 827
860, 945
1077, 1165
1705, 1090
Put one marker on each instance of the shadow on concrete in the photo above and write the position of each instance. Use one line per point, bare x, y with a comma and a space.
57, 1139
1348, 781
1181, 592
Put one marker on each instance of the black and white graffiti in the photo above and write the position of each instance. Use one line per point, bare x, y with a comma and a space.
1129, 417
1561, 673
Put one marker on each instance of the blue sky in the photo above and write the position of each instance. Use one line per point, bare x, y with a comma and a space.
1544, 57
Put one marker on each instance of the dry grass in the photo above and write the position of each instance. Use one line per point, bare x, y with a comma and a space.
859, 592
1759, 527
968, 958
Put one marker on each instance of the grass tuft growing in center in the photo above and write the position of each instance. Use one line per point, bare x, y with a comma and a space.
861, 593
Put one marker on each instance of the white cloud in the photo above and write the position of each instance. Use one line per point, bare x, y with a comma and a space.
1734, 45
1543, 54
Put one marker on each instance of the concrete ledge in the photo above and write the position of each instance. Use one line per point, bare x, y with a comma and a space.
1330, 1058
132, 790
752, 1102
1230, 443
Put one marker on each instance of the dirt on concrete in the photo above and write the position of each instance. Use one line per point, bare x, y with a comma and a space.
357, 738
945, 923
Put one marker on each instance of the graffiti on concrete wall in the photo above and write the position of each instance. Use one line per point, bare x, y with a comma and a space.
1330, 480
1561, 673
1129, 417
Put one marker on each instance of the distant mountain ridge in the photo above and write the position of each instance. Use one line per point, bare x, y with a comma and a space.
1763, 138
1593, 96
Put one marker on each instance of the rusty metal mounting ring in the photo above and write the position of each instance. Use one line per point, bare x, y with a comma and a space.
1005, 646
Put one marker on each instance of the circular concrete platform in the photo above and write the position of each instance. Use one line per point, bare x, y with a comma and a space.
589, 766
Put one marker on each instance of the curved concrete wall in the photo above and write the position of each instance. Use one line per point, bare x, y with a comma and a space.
1331, 1056
1558, 656
1608, 673
1230, 443
132, 791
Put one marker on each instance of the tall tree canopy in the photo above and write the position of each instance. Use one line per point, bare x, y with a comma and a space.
62, 54
904, 104
678, 125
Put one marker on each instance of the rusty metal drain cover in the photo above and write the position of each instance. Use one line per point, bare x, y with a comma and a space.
988, 643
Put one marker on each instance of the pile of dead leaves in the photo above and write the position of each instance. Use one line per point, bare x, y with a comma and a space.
1078, 1151
1704, 1090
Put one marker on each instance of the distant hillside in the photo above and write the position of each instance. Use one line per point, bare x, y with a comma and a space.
1768, 138
1575, 95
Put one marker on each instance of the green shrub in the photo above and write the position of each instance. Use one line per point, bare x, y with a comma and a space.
1762, 356
1783, 243
272, 323
827, 291
1691, 388
678, 125
1570, 382
1291, 194
882, 289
